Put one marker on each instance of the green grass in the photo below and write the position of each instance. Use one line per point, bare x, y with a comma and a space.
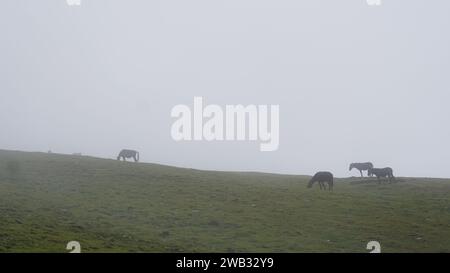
47, 200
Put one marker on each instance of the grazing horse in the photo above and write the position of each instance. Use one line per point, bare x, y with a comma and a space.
321, 178
384, 172
361, 167
128, 154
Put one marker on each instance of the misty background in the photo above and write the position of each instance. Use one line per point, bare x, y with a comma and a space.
354, 82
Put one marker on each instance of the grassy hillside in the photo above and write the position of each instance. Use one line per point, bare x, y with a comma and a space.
47, 200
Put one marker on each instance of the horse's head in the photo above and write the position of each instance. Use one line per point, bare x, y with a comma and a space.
369, 172
310, 183
351, 166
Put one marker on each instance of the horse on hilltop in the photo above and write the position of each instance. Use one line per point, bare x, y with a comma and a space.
361, 167
322, 178
128, 154
384, 172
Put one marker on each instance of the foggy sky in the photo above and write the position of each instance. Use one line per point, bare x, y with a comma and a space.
353, 82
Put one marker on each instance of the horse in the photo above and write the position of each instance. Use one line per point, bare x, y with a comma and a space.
321, 178
128, 154
384, 172
361, 167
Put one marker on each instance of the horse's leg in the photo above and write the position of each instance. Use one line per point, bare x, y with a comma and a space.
320, 185
361, 173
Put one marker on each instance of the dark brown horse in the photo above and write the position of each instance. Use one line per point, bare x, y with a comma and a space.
321, 178
384, 172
